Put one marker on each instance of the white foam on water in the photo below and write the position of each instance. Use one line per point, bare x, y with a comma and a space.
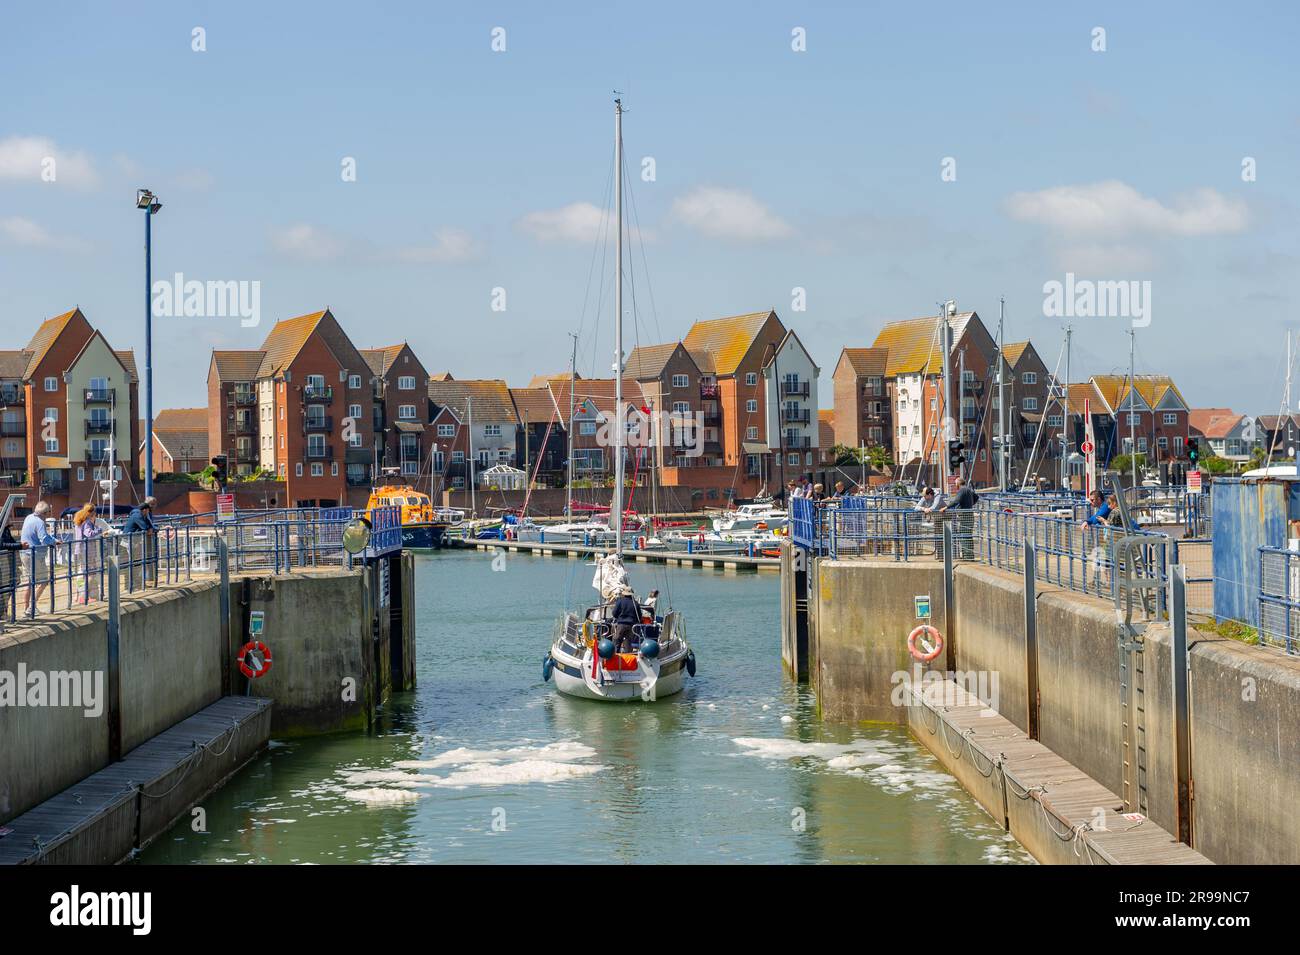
382, 797
391, 776
563, 751
787, 719
854, 760
512, 774
768, 748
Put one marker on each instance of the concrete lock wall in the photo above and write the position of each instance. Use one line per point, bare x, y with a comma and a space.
1244, 701
322, 628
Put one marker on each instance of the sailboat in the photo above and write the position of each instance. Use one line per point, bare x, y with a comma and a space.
583, 657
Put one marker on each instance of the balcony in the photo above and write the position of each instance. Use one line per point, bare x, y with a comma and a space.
99, 427
358, 480
241, 397
99, 456
12, 396
794, 441
54, 482
97, 396
969, 413
247, 425
709, 392
323, 452
245, 455
795, 389
322, 425
13, 426
795, 416
317, 393
13, 464
973, 386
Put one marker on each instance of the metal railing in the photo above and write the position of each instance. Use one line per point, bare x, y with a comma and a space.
1279, 599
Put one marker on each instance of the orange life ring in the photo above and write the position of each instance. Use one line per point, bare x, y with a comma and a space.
925, 656
246, 650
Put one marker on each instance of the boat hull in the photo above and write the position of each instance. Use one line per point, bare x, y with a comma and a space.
422, 536
569, 681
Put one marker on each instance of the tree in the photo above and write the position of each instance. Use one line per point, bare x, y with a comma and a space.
1123, 463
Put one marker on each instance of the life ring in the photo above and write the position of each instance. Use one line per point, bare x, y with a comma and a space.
925, 656
761, 526
257, 650
588, 638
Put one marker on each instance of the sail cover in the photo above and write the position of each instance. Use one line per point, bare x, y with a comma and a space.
610, 576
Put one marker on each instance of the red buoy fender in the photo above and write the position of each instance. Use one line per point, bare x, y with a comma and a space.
262, 650
924, 652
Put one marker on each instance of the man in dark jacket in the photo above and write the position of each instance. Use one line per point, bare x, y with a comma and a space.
141, 518
625, 615
964, 503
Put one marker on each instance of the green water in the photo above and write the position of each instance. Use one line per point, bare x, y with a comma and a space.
737, 768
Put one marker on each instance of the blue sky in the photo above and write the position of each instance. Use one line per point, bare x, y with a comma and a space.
775, 169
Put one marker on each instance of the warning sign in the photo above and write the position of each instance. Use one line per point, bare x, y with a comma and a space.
225, 507
1193, 482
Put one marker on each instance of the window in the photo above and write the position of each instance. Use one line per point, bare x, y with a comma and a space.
1170, 417
457, 481
681, 381
51, 414
355, 440
297, 469
751, 378
317, 469
406, 383
354, 411
315, 445
334, 469
503, 455
51, 384
343, 375
439, 461
483, 459
586, 427
354, 381
1055, 421
681, 407
81, 474
1162, 442
751, 405
751, 434
792, 459
489, 430
808, 458
967, 376
1134, 418
1030, 378
458, 457
407, 413
1142, 444
1029, 403
446, 430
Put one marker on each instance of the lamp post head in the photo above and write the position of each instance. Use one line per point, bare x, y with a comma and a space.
146, 200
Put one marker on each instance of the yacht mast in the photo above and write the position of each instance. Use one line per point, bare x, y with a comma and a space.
620, 428
568, 484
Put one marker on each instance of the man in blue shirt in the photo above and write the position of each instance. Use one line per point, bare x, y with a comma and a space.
36, 541
141, 518
1100, 510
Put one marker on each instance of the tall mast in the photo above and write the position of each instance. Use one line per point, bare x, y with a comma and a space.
1065, 417
620, 429
1132, 387
473, 500
1002, 398
945, 392
568, 484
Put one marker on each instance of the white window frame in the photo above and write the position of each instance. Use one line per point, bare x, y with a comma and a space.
681, 381
354, 381
491, 430
751, 406
51, 383
406, 383
1029, 378
1170, 417
407, 413
751, 378
446, 431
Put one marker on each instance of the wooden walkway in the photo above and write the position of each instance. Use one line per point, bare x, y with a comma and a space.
109, 815
722, 561
1057, 812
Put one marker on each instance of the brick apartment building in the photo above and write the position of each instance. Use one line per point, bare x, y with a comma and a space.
68, 405
471, 419
300, 408
1153, 414
401, 410
863, 410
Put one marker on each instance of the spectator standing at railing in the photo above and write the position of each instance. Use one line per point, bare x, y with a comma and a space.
964, 504
1100, 510
37, 541
141, 522
10, 551
86, 533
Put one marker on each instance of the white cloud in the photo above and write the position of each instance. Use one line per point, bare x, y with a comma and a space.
26, 159
19, 231
1116, 208
576, 222
449, 245
306, 243
729, 214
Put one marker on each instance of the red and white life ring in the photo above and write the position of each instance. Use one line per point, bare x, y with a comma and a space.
925, 652
258, 654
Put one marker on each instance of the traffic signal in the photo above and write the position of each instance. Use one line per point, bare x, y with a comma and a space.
956, 455
219, 462
1193, 450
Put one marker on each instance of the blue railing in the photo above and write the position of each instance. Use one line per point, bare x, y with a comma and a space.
1279, 598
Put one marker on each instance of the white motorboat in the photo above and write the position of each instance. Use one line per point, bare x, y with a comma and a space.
577, 532
583, 658
750, 517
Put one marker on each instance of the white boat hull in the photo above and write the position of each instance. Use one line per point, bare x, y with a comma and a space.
572, 666
619, 691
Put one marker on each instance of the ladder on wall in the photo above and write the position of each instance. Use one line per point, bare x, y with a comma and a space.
1136, 591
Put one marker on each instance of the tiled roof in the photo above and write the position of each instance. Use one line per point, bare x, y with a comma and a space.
1013, 351
491, 398
442, 376
179, 443
826, 427
181, 419
913, 344
719, 345
867, 361
13, 364
381, 359
238, 365
127, 358
46, 333
286, 339
1213, 422
541, 381
1271, 421
648, 361
1150, 388
1080, 390
600, 391
536, 406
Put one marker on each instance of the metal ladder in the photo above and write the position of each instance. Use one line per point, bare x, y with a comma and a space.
1137, 602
